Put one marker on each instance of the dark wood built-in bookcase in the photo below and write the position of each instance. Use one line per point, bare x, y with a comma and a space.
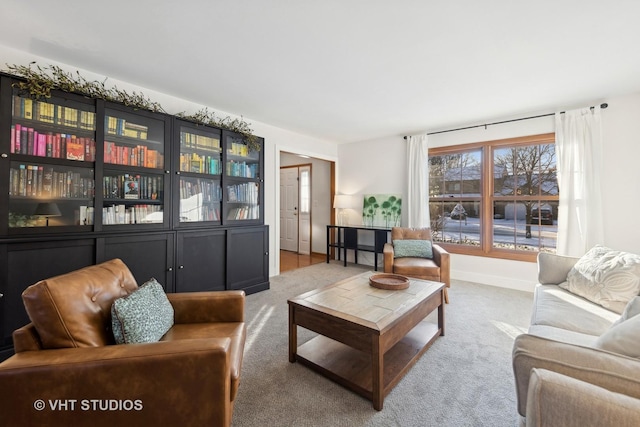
84, 180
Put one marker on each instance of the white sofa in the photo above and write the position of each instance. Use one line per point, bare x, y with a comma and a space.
565, 373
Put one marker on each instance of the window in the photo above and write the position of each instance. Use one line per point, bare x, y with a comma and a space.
305, 191
495, 198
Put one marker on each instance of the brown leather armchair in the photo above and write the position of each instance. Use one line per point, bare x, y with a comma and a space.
436, 269
68, 371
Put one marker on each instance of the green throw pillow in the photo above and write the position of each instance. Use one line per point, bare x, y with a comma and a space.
145, 315
412, 248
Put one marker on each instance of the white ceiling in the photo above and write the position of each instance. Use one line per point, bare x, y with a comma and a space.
347, 70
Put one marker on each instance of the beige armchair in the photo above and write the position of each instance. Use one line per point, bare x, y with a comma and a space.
555, 399
436, 269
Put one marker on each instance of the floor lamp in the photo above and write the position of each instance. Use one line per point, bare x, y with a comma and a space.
342, 202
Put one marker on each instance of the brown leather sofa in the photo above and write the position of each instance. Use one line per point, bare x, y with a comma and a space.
436, 269
68, 371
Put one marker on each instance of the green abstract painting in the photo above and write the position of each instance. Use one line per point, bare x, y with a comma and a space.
381, 210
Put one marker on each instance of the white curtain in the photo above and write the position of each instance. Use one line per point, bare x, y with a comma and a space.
579, 150
418, 181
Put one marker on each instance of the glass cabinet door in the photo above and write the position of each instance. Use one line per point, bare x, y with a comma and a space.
132, 198
243, 181
134, 168
52, 160
133, 140
200, 168
199, 199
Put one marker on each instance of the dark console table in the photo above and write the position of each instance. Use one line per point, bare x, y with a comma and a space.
348, 237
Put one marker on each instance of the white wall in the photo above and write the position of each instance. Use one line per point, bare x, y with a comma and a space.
276, 139
320, 197
379, 166
621, 180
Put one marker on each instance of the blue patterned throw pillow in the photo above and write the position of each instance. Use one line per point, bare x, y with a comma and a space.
145, 315
412, 248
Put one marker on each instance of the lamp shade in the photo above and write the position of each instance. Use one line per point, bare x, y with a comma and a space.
342, 201
47, 209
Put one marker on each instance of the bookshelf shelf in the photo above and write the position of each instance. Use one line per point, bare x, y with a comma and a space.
175, 200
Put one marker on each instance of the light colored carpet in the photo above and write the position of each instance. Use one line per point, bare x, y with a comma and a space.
464, 379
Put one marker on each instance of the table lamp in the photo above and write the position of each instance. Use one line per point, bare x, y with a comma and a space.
342, 202
47, 210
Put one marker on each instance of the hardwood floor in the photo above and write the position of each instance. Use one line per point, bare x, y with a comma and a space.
291, 260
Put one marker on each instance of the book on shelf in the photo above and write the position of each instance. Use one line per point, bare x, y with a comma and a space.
40, 111
232, 195
238, 149
29, 141
84, 215
29, 147
29, 180
121, 127
131, 186
133, 130
75, 148
244, 212
83, 220
45, 182
28, 108
138, 214
193, 141
139, 155
39, 180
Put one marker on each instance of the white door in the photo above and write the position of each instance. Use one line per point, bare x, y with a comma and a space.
304, 229
289, 209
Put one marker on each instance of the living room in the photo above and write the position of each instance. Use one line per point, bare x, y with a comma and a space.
362, 133
355, 160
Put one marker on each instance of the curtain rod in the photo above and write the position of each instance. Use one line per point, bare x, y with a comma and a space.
603, 106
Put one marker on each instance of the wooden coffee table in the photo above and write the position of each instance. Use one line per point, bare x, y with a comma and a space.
369, 338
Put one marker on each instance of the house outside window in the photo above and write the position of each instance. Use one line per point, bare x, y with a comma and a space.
495, 198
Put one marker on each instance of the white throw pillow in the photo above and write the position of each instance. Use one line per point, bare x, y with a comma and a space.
632, 309
622, 338
607, 277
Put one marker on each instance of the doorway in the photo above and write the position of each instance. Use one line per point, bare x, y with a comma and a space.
316, 209
295, 209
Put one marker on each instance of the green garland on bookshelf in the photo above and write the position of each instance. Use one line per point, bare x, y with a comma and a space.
38, 83
204, 116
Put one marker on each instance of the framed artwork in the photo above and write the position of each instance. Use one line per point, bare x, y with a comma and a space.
381, 210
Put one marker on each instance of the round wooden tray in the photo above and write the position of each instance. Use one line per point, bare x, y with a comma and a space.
389, 281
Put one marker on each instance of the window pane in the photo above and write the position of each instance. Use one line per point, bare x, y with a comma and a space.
436, 176
305, 192
436, 215
470, 174
504, 183
456, 222
455, 175
524, 226
525, 171
548, 170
